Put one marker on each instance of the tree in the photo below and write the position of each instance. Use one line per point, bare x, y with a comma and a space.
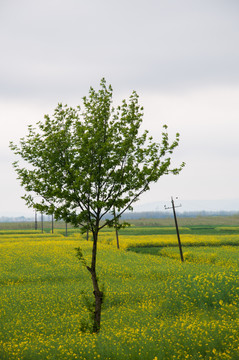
86, 163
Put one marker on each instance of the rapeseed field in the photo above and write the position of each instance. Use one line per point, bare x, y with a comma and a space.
155, 307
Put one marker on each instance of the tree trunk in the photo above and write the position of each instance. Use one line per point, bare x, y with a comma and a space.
98, 303
117, 237
97, 293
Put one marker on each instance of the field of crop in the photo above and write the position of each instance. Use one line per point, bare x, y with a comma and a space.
156, 308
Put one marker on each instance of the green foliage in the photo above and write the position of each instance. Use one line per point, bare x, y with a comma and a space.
87, 323
79, 255
83, 163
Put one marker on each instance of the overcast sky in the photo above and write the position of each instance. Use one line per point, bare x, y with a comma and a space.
181, 56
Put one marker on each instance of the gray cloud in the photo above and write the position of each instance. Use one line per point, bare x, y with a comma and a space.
55, 48
181, 56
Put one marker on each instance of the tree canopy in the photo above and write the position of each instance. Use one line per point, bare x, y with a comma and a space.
85, 162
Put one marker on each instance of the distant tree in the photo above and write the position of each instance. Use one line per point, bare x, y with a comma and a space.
86, 163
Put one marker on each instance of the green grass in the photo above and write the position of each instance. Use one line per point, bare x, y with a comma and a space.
155, 307
191, 229
189, 221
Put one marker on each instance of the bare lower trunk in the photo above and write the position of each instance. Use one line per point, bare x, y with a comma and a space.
98, 303
97, 293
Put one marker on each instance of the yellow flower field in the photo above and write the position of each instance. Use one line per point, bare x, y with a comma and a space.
155, 308
127, 242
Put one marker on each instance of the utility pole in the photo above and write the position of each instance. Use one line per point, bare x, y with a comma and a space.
176, 225
116, 229
35, 220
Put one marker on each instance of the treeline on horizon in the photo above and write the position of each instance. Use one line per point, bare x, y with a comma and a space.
137, 215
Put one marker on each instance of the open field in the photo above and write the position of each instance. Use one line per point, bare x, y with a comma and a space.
155, 306
201, 221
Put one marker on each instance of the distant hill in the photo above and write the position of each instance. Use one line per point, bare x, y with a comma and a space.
15, 219
167, 214
155, 210
224, 205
